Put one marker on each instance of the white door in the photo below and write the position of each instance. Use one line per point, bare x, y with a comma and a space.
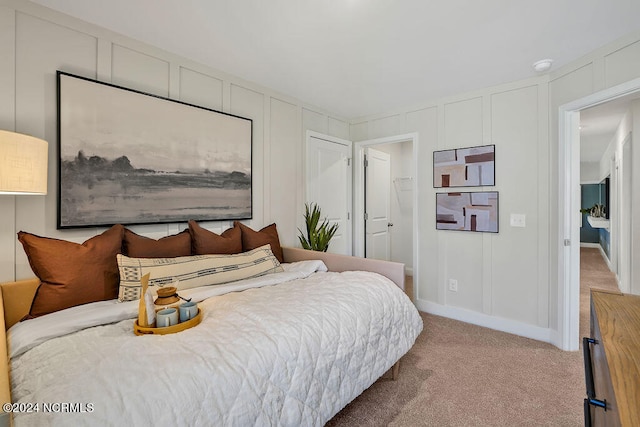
329, 185
377, 204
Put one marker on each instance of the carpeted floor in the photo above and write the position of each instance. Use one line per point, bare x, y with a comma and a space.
459, 374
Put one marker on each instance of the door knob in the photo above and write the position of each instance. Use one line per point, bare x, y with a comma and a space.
390, 224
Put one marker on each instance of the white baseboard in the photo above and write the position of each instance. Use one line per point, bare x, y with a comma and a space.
492, 322
590, 245
605, 258
408, 271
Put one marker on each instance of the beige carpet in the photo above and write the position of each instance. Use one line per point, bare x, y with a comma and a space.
459, 374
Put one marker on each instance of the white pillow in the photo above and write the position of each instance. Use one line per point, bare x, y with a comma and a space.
193, 271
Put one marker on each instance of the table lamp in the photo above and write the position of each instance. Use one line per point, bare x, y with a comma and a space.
23, 164
23, 167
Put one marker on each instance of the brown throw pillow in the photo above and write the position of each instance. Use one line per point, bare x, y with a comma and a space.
252, 239
71, 273
205, 242
136, 246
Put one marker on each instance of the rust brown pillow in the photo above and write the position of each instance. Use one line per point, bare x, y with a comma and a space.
252, 239
136, 246
71, 273
205, 242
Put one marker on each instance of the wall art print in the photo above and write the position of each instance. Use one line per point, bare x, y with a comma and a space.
129, 157
464, 167
467, 211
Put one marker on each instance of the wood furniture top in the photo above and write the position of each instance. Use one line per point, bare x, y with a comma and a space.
619, 320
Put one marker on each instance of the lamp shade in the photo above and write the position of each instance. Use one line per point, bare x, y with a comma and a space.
23, 164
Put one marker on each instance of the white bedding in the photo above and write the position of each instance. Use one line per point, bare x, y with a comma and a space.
291, 354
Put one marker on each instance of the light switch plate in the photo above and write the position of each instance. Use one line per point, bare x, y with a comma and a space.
518, 220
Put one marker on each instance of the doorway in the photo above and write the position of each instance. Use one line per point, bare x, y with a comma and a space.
402, 222
569, 204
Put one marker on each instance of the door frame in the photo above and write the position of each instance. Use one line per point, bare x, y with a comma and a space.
358, 195
569, 216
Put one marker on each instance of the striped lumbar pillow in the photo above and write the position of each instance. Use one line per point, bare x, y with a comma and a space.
193, 271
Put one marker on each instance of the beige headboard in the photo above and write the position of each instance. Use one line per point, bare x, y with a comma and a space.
335, 262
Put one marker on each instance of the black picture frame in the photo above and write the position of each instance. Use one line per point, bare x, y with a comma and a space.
475, 211
130, 157
465, 167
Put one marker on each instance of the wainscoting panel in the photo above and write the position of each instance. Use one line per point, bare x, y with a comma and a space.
463, 124
285, 154
137, 70
622, 65
386, 126
249, 103
42, 47
200, 89
312, 120
515, 132
7, 115
338, 128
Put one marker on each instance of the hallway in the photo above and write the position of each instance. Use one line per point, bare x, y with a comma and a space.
594, 274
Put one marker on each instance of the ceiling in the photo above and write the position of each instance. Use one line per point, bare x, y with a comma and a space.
355, 58
360, 57
598, 126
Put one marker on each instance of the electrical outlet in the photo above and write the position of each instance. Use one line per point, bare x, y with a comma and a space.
518, 220
453, 285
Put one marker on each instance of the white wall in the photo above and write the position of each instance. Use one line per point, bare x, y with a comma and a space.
35, 42
589, 172
635, 200
494, 279
509, 280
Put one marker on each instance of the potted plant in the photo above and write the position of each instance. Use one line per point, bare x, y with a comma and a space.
319, 234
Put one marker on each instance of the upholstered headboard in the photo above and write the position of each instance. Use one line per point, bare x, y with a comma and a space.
20, 295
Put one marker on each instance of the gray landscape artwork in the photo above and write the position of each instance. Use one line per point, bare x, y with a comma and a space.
132, 158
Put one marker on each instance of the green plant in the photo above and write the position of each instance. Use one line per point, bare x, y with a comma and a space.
319, 234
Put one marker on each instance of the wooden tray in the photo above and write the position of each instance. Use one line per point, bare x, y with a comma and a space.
139, 330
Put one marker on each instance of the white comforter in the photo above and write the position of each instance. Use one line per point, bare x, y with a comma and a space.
291, 354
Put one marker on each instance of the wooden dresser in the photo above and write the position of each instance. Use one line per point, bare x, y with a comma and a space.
612, 361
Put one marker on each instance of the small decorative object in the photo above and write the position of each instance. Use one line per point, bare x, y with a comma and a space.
169, 319
145, 317
167, 296
467, 211
464, 167
139, 330
166, 317
188, 310
318, 234
596, 211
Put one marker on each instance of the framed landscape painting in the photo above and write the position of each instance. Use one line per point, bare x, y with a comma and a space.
464, 167
467, 211
129, 157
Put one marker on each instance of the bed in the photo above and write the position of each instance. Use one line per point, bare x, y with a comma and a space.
290, 348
